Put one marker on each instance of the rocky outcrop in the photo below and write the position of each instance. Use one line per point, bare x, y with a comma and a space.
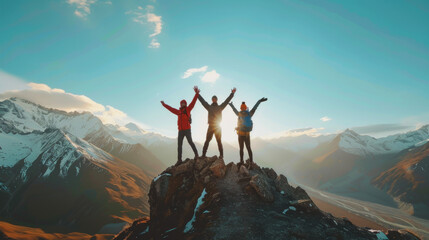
206, 199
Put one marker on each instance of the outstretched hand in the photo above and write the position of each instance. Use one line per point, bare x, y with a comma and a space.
233, 90
263, 99
196, 89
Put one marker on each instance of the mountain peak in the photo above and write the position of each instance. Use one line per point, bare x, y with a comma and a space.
206, 199
134, 127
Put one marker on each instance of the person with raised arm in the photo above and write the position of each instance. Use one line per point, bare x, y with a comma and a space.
244, 127
184, 121
214, 118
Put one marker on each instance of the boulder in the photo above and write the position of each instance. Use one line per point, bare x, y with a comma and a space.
218, 168
262, 188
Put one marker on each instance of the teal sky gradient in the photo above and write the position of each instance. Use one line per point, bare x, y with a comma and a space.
356, 62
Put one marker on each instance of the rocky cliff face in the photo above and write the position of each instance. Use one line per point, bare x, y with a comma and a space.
206, 199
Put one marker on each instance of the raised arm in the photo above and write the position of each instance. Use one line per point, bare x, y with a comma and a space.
192, 104
171, 109
203, 102
228, 99
233, 108
256, 106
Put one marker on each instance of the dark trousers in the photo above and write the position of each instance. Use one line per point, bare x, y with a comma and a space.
245, 140
217, 131
187, 134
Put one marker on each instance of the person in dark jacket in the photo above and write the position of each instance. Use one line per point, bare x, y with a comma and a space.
214, 119
244, 136
184, 124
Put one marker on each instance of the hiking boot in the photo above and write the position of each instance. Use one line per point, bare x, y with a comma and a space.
204, 155
196, 157
178, 163
221, 156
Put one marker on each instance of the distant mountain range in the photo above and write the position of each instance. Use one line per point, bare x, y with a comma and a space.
71, 172
388, 170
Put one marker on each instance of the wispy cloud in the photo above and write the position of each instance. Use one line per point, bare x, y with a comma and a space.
191, 71
325, 119
155, 19
146, 15
210, 77
59, 99
83, 7
154, 43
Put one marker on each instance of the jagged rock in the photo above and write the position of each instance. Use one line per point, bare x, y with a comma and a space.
244, 171
186, 166
282, 183
261, 187
218, 168
204, 199
270, 173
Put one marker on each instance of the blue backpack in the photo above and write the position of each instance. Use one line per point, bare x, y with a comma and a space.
245, 123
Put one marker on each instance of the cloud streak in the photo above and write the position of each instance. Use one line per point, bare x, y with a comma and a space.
191, 71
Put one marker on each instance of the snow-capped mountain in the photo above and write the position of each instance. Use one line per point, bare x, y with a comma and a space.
55, 178
66, 170
354, 143
25, 116
56, 150
131, 133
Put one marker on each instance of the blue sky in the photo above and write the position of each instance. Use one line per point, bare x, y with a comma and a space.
357, 63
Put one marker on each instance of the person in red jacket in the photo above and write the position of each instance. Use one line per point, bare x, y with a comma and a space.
184, 124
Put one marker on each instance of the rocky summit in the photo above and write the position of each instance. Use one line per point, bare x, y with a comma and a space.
206, 199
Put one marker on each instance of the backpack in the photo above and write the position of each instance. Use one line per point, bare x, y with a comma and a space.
189, 116
245, 123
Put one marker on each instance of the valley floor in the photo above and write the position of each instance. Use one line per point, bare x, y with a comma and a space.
368, 214
14, 232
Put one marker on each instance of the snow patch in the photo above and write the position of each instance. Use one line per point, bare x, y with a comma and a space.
380, 235
158, 177
287, 209
189, 225
145, 231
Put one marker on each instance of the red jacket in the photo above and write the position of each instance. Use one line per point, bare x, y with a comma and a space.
183, 113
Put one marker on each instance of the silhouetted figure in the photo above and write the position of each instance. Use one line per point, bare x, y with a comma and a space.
184, 124
245, 126
214, 119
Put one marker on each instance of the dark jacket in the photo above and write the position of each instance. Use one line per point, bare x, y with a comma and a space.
215, 110
183, 114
